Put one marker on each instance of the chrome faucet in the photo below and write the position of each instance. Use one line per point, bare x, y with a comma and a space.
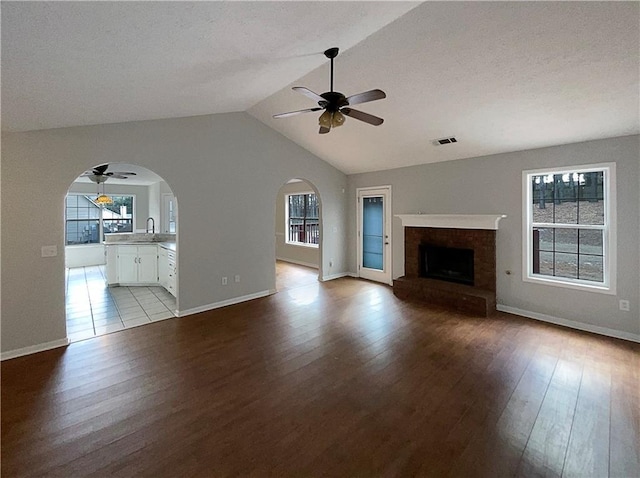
153, 225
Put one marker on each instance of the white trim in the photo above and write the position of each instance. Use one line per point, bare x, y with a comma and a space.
223, 303
302, 244
32, 349
334, 276
618, 334
300, 263
452, 221
609, 246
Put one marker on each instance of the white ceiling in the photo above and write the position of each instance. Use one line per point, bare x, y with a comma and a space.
500, 76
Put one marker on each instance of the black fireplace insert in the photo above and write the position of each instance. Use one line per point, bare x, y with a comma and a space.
446, 263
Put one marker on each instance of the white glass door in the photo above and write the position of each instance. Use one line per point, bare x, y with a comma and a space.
374, 234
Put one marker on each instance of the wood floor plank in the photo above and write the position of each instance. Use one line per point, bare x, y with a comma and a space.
624, 458
545, 450
334, 379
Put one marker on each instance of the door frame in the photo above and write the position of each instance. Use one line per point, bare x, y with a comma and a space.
386, 276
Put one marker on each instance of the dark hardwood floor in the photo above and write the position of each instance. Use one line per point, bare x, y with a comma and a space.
331, 379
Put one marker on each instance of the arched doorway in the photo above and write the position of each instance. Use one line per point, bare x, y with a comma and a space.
298, 234
118, 257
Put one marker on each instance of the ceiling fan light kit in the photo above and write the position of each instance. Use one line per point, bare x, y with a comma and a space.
103, 200
336, 105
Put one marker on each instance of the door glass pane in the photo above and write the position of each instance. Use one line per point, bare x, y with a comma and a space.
373, 233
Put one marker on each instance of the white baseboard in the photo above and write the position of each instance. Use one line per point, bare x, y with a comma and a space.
224, 303
300, 263
334, 276
618, 334
32, 349
353, 274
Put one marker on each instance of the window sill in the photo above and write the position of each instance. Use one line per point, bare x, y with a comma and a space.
302, 244
582, 286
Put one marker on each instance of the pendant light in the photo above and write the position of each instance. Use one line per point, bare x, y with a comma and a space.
103, 199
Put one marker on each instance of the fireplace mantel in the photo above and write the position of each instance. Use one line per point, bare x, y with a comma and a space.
452, 221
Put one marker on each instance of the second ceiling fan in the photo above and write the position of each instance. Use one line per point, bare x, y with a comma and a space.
336, 105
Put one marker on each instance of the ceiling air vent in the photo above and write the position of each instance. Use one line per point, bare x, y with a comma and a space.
441, 141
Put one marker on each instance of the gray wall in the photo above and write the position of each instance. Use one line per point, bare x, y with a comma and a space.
289, 252
225, 171
493, 185
155, 208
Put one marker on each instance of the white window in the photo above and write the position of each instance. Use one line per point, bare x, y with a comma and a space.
569, 227
169, 214
86, 222
303, 219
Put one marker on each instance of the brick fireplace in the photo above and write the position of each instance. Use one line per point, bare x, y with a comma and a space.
439, 234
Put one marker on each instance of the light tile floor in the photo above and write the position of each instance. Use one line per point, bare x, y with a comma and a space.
94, 309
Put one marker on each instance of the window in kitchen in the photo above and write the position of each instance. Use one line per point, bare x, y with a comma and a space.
303, 219
569, 227
86, 222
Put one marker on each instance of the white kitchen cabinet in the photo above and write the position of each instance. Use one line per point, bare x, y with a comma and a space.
137, 264
171, 267
112, 264
163, 267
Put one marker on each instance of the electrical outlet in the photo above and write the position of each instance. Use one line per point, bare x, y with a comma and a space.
49, 251
624, 305
236, 278
224, 281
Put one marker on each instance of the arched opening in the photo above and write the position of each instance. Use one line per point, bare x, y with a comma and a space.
120, 250
298, 234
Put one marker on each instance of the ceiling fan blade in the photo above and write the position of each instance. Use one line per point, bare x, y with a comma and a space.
293, 113
98, 170
118, 176
307, 92
113, 173
324, 130
362, 116
367, 96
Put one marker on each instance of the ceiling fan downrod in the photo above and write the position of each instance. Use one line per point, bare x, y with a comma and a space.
331, 53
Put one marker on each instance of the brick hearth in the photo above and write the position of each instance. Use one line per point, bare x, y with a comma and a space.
477, 299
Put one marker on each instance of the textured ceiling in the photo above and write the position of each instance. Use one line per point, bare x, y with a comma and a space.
80, 63
501, 76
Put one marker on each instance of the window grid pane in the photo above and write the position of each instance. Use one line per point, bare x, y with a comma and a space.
303, 219
559, 201
83, 218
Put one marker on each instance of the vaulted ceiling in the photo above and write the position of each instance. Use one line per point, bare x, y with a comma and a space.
500, 77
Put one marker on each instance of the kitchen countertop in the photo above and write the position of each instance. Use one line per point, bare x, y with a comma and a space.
171, 246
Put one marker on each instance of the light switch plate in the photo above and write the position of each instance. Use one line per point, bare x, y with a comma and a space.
49, 251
